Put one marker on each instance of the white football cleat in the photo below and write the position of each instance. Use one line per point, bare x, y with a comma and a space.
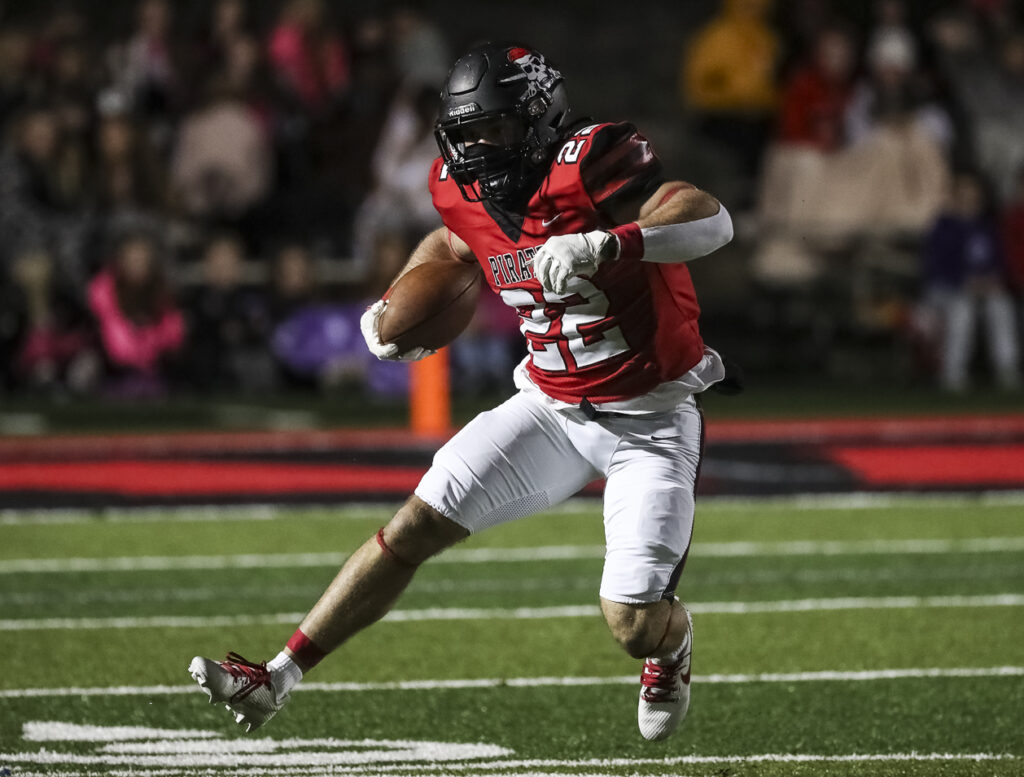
245, 688
665, 691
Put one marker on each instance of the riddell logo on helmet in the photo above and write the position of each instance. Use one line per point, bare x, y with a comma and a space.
462, 110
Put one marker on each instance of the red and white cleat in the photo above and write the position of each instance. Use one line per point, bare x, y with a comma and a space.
245, 688
665, 691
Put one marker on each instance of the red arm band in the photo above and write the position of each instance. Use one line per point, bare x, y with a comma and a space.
631, 242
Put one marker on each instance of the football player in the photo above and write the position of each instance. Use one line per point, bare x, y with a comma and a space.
579, 230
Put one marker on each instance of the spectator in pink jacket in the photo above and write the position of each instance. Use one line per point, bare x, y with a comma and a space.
309, 59
140, 329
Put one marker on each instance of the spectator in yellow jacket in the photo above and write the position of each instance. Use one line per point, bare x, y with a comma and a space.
728, 78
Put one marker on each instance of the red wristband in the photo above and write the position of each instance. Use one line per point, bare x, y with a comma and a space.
631, 242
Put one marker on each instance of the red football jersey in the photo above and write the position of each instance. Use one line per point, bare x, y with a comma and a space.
609, 337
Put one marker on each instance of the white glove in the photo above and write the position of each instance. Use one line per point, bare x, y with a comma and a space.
369, 323
565, 256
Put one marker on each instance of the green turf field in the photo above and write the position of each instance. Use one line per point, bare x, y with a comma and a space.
881, 636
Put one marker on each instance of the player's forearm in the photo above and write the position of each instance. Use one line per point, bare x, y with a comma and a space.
434, 247
676, 202
677, 224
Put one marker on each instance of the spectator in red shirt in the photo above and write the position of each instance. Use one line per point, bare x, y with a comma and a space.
797, 186
815, 97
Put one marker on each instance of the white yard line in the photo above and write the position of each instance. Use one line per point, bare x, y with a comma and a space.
465, 771
511, 555
331, 763
289, 560
686, 760
544, 682
323, 766
791, 758
981, 568
857, 603
518, 613
748, 576
856, 500
696, 760
857, 547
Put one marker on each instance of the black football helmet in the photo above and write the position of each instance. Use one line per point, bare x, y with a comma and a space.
503, 109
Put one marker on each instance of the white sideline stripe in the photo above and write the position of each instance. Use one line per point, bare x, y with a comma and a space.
543, 682
853, 500
358, 511
199, 513
492, 555
517, 613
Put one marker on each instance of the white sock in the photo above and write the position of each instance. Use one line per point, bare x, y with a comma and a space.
667, 660
285, 673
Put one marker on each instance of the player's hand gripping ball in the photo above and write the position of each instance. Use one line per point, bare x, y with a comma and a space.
369, 323
425, 310
565, 256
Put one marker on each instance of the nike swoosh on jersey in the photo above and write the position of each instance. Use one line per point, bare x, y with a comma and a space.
548, 222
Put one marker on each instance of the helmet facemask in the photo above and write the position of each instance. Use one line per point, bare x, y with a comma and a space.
487, 156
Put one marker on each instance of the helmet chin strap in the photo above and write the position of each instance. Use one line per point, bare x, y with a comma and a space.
506, 186
503, 184
513, 205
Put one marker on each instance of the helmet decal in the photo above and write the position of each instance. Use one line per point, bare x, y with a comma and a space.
540, 76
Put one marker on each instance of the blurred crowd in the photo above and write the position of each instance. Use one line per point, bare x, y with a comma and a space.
206, 199
881, 171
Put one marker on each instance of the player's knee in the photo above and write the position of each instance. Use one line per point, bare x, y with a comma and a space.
418, 531
638, 628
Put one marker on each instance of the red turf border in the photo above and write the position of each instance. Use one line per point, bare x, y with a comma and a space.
883, 430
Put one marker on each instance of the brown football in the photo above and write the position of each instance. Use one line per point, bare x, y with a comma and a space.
430, 305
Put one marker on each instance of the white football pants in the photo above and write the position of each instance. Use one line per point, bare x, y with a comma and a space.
524, 456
